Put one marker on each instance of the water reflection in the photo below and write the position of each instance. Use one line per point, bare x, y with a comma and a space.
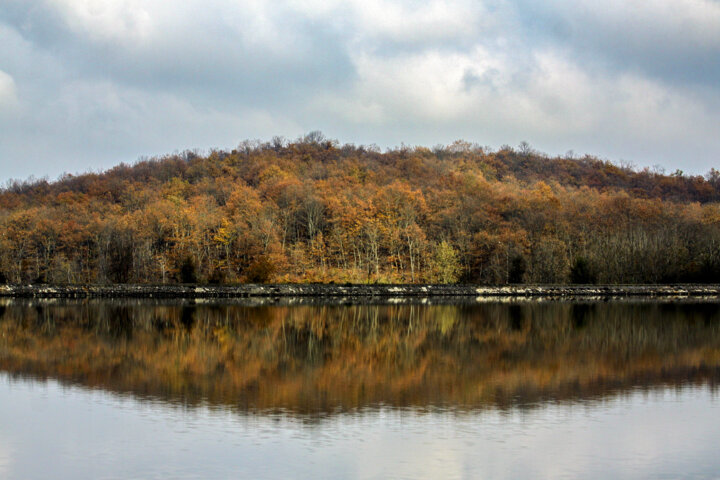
51, 430
325, 359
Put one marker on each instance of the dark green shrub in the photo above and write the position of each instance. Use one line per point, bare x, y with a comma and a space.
581, 272
120, 257
707, 272
217, 277
517, 269
188, 271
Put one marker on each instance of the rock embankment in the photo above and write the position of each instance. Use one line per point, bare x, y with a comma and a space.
321, 290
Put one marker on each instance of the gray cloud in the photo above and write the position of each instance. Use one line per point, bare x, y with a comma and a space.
674, 40
89, 84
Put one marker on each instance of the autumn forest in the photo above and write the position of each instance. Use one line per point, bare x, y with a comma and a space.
313, 210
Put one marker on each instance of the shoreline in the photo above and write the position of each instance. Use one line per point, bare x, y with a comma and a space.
355, 291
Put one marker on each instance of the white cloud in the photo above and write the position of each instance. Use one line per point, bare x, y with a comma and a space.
428, 85
550, 100
684, 21
105, 19
105, 81
8, 93
182, 26
89, 125
399, 21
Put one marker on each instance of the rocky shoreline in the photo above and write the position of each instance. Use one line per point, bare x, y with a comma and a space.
355, 291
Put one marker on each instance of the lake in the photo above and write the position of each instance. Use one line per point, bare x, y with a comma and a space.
299, 388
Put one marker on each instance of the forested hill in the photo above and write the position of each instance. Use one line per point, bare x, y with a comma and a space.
314, 210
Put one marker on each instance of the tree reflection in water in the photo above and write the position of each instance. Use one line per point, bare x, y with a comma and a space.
310, 359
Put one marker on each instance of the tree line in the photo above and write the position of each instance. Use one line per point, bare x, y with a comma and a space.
313, 210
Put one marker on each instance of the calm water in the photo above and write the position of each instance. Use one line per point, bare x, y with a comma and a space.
111, 389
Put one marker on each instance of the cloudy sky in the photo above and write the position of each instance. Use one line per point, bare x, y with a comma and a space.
86, 84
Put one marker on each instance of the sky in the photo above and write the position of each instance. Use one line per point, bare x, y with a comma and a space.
87, 84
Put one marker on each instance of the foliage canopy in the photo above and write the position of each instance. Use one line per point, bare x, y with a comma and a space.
314, 210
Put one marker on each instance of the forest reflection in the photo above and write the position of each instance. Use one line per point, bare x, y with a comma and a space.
310, 359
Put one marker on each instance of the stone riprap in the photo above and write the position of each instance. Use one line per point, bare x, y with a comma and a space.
332, 290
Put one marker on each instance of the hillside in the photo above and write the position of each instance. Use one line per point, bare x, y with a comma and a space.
313, 210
